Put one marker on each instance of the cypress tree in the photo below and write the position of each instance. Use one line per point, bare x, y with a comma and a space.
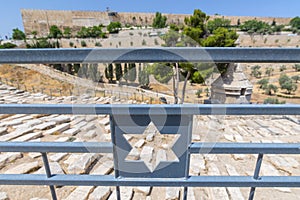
118, 71
125, 72
132, 72
110, 73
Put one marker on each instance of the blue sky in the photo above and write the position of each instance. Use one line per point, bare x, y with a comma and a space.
10, 16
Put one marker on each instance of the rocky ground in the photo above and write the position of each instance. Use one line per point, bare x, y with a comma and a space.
150, 147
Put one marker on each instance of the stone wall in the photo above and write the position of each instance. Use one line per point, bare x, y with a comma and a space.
41, 20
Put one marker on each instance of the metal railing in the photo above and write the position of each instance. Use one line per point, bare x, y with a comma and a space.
134, 118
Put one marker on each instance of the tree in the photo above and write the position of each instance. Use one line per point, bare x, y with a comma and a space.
159, 21
114, 27
254, 26
118, 71
171, 38
296, 78
269, 71
94, 74
94, 32
255, 71
296, 67
67, 32
221, 37
131, 72
196, 25
198, 93
217, 23
55, 32
295, 22
287, 83
125, 72
194, 34
18, 34
144, 78
162, 72
76, 68
263, 83
109, 74
269, 88
238, 23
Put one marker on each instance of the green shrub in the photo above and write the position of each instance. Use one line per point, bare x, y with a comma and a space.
83, 43
273, 101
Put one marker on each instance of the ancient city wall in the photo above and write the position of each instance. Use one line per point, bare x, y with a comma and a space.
41, 20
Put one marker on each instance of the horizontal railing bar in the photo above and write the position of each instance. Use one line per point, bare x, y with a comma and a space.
245, 148
107, 147
58, 147
151, 55
123, 109
109, 180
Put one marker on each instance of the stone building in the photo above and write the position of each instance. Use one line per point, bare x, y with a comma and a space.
232, 88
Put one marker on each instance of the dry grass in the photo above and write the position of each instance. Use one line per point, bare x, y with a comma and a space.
33, 81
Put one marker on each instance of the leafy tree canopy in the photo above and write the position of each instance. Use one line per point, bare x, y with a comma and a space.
94, 32
221, 37
55, 32
217, 23
196, 25
18, 34
295, 22
159, 21
162, 72
255, 26
114, 27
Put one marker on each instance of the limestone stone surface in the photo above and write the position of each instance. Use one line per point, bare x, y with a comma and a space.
100, 193
23, 168
80, 193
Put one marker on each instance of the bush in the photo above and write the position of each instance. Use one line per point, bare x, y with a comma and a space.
7, 45
199, 92
114, 27
282, 68
98, 44
71, 44
83, 43
296, 67
273, 101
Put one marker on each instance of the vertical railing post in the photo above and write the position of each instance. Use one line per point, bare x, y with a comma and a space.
113, 139
48, 173
256, 174
187, 168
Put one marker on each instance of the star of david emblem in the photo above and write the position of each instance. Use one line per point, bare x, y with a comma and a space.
165, 155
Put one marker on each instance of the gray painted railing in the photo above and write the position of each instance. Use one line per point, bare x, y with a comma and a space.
134, 119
